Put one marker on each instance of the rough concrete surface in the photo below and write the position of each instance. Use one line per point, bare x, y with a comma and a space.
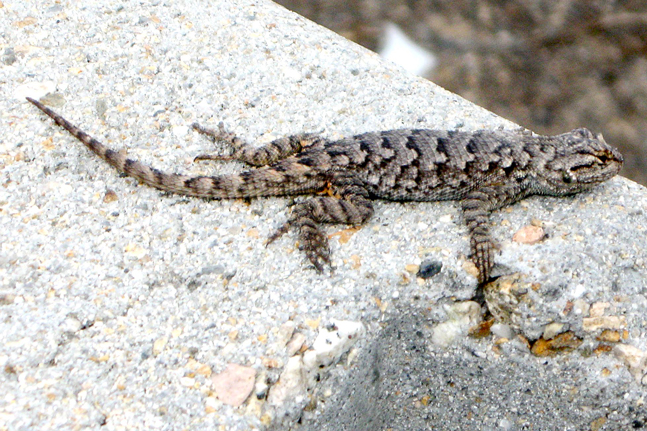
125, 308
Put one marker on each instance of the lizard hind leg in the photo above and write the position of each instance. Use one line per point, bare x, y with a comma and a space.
352, 207
264, 155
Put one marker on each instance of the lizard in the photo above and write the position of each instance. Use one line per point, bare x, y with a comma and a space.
483, 170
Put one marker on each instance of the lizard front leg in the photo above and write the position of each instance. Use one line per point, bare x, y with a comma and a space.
264, 155
477, 206
350, 204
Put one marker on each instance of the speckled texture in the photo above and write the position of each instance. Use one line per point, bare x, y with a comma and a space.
115, 312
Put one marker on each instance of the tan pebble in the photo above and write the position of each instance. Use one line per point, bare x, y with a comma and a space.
135, 250
469, 267
412, 268
120, 383
313, 323
529, 235
382, 305
562, 342
204, 370
26, 22
598, 423
211, 405
481, 330
405, 279
48, 144
552, 329
609, 336
581, 307
158, 345
597, 309
234, 384
345, 235
602, 348
605, 322
110, 196
632, 356
270, 362
266, 419
295, 344
285, 332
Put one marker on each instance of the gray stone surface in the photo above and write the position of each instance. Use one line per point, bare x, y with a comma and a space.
403, 382
115, 313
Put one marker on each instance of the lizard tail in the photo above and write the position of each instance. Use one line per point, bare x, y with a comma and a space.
265, 181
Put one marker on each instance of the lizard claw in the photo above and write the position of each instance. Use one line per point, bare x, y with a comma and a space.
279, 233
212, 157
314, 243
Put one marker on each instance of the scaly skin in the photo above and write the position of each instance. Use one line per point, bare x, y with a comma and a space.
482, 170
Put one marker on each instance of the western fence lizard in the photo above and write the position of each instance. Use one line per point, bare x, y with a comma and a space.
483, 170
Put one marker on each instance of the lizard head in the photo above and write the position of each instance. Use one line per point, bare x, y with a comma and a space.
582, 159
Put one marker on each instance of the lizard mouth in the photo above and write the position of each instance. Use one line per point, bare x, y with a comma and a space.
595, 167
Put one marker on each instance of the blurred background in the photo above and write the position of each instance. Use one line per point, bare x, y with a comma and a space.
548, 65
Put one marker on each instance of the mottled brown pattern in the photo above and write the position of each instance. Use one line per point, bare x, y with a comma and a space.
483, 170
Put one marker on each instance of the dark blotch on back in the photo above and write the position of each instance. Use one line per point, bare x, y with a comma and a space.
333, 152
412, 144
441, 145
307, 161
472, 146
129, 163
508, 170
159, 176
386, 143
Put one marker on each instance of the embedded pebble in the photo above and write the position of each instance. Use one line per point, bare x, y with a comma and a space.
295, 343
529, 235
285, 333
502, 330
461, 317
605, 322
552, 329
630, 355
597, 309
565, 341
331, 344
429, 268
234, 384
291, 385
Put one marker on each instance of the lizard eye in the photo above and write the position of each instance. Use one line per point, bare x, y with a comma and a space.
584, 165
